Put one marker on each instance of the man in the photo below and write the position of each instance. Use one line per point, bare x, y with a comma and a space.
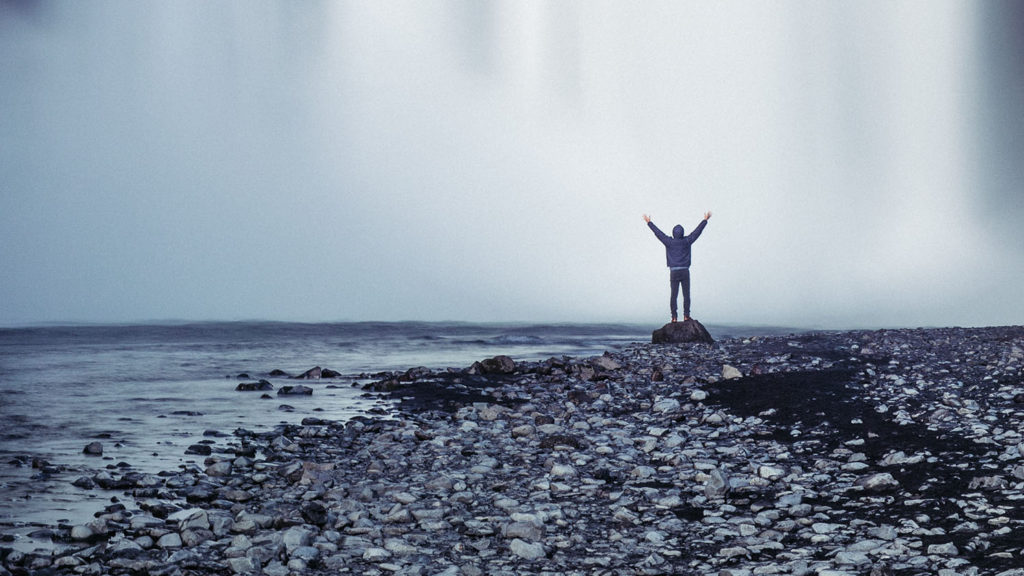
677, 255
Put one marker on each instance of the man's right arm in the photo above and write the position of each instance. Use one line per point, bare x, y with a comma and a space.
661, 235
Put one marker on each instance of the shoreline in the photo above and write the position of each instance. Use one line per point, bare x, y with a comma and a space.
833, 452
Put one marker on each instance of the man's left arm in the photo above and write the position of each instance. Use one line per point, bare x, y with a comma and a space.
700, 228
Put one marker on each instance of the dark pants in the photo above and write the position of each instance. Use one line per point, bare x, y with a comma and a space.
680, 278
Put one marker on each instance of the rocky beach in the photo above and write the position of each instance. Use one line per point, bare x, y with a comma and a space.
892, 452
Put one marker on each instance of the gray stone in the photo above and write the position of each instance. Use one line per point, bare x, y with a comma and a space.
305, 553
169, 540
222, 468
296, 537
522, 530
243, 565
717, 485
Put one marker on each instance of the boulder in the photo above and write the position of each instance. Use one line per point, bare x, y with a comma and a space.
199, 449
295, 391
497, 365
93, 449
262, 385
313, 373
681, 332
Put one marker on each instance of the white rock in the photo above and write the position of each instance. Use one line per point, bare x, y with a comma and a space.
882, 481
376, 554
848, 558
666, 405
191, 518
824, 527
562, 471
730, 372
770, 472
81, 533
947, 549
527, 550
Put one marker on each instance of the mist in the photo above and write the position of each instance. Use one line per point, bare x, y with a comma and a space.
490, 161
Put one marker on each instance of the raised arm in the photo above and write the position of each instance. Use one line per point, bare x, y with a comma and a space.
700, 228
658, 233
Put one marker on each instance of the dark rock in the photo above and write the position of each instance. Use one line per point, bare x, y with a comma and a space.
278, 373
260, 386
295, 391
328, 373
84, 482
93, 449
200, 449
682, 332
579, 396
313, 373
498, 365
315, 513
199, 494
414, 374
243, 376
42, 534
542, 419
555, 440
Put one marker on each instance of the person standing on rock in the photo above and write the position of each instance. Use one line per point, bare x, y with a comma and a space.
677, 255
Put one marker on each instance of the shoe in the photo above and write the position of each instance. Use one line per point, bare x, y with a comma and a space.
685, 318
673, 318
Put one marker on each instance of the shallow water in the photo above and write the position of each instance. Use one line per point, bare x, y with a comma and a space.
147, 392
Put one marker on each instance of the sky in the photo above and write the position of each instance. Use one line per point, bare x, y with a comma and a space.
490, 161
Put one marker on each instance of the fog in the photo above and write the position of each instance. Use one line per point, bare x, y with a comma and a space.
490, 161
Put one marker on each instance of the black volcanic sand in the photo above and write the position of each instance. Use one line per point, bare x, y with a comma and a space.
893, 452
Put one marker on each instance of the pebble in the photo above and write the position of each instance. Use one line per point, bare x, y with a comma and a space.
881, 452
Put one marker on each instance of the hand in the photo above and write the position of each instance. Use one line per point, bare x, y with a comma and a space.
707, 215
647, 218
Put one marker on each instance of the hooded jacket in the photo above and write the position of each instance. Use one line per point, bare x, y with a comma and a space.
677, 248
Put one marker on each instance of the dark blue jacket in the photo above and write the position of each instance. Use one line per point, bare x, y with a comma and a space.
677, 248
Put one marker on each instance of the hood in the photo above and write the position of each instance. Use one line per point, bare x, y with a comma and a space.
677, 232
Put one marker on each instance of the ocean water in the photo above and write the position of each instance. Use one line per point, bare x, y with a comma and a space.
147, 392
